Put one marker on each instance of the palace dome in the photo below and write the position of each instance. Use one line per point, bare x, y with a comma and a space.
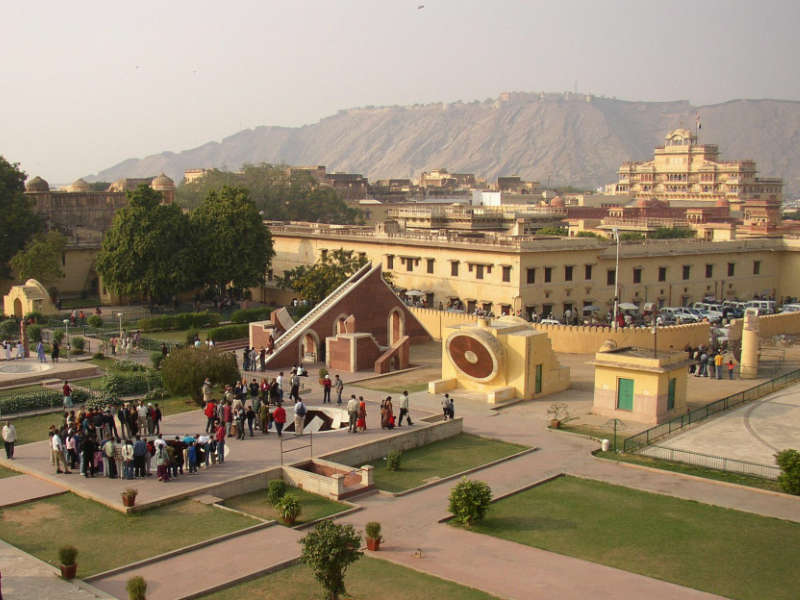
79, 185
37, 184
557, 202
162, 183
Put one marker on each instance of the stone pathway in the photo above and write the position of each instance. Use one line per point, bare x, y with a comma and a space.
24, 488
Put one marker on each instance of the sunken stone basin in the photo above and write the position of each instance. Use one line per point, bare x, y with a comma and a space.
328, 478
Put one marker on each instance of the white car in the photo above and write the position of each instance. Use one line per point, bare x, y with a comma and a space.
787, 308
550, 322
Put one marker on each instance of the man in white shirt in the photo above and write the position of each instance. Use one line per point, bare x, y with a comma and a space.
279, 381
9, 438
404, 410
352, 412
57, 450
202, 442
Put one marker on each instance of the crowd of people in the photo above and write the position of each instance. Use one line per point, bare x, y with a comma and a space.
708, 362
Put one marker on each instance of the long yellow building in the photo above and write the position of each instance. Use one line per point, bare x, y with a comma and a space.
510, 274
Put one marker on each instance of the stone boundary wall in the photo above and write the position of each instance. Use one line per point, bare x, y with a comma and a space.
585, 339
416, 436
770, 325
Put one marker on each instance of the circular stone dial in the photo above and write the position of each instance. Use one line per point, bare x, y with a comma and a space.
476, 354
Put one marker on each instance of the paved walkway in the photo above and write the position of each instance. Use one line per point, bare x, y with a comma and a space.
28, 578
24, 488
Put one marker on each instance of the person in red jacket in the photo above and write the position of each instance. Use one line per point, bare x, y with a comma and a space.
220, 437
279, 416
211, 414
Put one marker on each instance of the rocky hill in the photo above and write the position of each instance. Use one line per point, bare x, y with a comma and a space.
557, 138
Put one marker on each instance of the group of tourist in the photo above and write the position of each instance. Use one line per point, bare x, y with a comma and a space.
125, 344
256, 360
13, 349
706, 362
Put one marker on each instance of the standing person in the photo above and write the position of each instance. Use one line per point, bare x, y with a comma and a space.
141, 417
57, 449
262, 358
55, 351
139, 454
88, 448
162, 463
207, 390
246, 359
157, 416
352, 412
40, 352
219, 437
404, 410
326, 389
279, 417
446, 406
279, 381
718, 364
67, 392
127, 459
294, 393
338, 385
227, 416
250, 415
730, 368
361, 424
9, 439
210, 411
299, 416
451, 408
263, 417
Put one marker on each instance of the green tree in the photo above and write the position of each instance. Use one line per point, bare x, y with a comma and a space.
233, 245
18, 222
469, 501
666, 233
329, 549
317, 281
41, 258
149, 249
561, 231
789, 462
184, 370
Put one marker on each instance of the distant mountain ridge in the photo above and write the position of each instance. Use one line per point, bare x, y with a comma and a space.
565, 138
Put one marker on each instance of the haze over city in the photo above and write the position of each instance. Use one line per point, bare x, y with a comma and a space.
86, 85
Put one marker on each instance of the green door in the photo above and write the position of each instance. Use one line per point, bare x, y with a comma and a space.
671, 394
624, 394
538, 379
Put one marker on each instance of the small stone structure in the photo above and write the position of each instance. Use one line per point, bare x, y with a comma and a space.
27, 298
748, 365
504, 359
633, 384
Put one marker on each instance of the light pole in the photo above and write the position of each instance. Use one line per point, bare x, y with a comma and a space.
119, 316
616, 279
66, 328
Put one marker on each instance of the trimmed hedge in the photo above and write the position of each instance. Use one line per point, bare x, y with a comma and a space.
247, 315
130, 383
180, 321
35, 333
229, 332
38, 400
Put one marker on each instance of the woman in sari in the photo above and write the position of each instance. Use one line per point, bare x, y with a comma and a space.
361, 423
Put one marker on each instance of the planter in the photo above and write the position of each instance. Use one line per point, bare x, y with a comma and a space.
555, 423
290, 522
128, 500
68, 571
373, 544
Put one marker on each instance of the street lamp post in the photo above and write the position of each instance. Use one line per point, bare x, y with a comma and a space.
119, 316
66, 328
616, 279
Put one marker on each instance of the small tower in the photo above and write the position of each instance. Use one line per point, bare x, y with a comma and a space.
166, 186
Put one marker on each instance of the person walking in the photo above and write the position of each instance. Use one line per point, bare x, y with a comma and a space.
352, 413
67, 392
279, 417
404, 410
9, 439
446, 406
299, 416
40, 352
338, 385
326, 389
361, 424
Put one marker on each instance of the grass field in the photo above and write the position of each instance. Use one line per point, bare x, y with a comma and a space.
106, 538
440, 459
368, 578
727, 552
7, 472
175, 337
398, 389
312, 506
21, 390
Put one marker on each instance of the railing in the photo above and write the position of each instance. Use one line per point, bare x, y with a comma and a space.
290, 334
648, 436
720, 463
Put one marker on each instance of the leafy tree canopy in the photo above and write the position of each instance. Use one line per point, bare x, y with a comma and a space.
665, 233
329, 549
149, 249
562, 231
41, 258
233, 245
314, 283
281, 196
18, 222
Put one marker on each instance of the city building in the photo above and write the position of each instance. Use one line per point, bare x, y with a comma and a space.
683, 169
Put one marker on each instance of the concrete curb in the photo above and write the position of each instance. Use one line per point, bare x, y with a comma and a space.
179, 551
342, 513
458, 475
248, 577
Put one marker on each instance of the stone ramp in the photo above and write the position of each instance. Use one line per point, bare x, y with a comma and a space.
209, 567
26, 488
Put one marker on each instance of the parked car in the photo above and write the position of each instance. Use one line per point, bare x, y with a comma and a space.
793, 307
550, 322
765, 307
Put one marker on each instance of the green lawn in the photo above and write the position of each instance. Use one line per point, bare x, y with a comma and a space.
106, 538
368, 578
727, 552
6, 393
440, 459
7, 472
696, 470
312, 506
104, 363
175, 337
411, 388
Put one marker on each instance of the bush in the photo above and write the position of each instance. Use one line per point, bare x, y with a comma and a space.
156, 358
34, 317
276, 490
247, 315
130, 383
289, 508
180, 321
98, 355
185, 369
393, 460
789, 479
136, 588
328, 550
230, 332
191, 335
128, 365
38, 400
35, 333
78, 344
67, 555
95, 321
58, 336
469, 501
9, 329
373, 529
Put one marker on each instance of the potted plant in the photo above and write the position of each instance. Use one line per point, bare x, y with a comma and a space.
137, 588
289, 509
129, 496
558, 414
67, 556
374, 538
322, 372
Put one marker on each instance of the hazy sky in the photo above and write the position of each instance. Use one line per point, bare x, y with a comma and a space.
85, 84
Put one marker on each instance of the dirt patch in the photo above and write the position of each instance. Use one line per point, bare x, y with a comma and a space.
34, 514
